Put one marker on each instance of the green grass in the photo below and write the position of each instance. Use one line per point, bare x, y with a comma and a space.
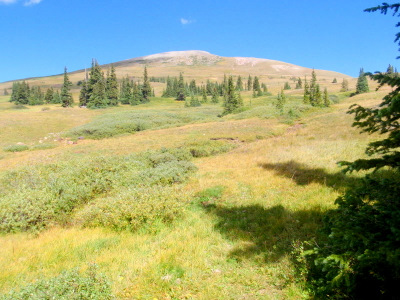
157, 228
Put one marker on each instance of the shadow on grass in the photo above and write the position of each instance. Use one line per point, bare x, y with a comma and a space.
304, 175
265, 234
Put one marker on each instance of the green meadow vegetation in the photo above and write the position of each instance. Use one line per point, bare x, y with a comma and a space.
225, 190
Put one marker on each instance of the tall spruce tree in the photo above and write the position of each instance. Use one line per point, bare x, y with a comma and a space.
249, 83
180, 92
146, 88
362, 83
306, 96
112, 87
232, 100
66, 96
239, 84
299, 84
83, 95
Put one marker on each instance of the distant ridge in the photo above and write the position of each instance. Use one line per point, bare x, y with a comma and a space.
199, 64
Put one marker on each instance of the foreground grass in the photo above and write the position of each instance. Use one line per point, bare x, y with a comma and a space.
251, 207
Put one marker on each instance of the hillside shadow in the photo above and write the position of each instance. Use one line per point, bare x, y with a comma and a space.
265, 234
304, 175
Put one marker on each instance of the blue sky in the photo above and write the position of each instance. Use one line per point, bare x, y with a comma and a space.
40, 37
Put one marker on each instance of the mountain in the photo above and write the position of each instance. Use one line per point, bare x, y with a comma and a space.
195, 64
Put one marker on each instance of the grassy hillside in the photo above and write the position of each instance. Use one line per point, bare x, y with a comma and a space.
188, 206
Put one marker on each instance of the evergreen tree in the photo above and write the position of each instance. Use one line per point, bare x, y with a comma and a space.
146, 88
5, 92
256, 87
390, 69
249, 83
96, 87
214, 97
327, 102
334, 80
136, 94
362, 83
306, 97
20, 93
66, 96
345, 85
194, 101
204, 95
299, 84
232, 100
112, 87
318, 96
48, 98
83, 95
264, 88
125, 94
286, 86
281, 100
56, 97
36, 96
239, 84
180, 95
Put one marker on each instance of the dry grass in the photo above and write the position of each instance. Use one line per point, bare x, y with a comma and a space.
275, 186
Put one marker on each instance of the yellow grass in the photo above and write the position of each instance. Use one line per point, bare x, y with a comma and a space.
285, 174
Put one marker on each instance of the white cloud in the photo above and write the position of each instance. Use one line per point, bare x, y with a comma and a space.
186, 21
7, 1
32, 2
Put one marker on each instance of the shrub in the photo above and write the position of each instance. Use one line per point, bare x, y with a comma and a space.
34, 197
134, 208
208, 148
70, 285
360, 258
43, 146
16, 148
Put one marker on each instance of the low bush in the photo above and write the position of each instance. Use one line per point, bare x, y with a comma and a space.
112, 124
43, 146
208, 148
34, 197
133, 208
70, 285
16, 148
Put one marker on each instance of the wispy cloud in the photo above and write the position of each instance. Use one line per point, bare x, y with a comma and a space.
32, 2
186, 21
7, 1
26, 2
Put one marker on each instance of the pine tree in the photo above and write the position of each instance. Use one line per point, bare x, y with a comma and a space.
256, 87
112, 87
232, 100
299, 84
362, 83
318, 96
83, 95
146, 88
204, 95
281, 100
214, 97
390, 69
180, 95
345, 85
306, 97
96, 87
56, 98
136, 94
125, 91
48, 98
327, 102
5, 92
287, 86
194, 101
66, 96
249, 83
239, 84
334, 80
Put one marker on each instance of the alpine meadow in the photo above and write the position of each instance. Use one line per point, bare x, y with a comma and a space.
191, 175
